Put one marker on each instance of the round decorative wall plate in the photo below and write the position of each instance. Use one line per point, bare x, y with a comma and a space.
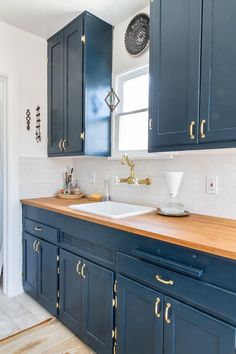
137, 34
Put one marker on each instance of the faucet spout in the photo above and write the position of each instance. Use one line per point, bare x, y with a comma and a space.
132, 180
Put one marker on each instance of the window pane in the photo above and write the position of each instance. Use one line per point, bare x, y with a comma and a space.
135, 93
133, 131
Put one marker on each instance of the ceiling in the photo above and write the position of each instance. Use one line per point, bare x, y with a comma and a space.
45, 17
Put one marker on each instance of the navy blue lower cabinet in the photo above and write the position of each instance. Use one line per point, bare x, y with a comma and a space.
47, 275
30, 259
97, 308
189, 331
40, 278
139, 319
70, 290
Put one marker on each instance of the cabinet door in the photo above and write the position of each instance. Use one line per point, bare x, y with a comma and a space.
191, 331
73, 87
139, 319
70, 285
97, 309
218, 83
30, 266
55, 94
47, 275
174, 73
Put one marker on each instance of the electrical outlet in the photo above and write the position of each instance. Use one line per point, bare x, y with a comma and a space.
92, 177
212, 186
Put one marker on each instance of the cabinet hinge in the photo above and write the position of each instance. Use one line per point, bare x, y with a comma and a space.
57, 305
115, 287
114, 302
82, 136
58, 294
58, 258
150, 124
83, 39
58, 270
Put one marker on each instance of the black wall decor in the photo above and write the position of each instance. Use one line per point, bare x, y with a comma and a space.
137, 34
38, 125
28, 119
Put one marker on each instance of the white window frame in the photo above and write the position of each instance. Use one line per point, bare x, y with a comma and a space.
119, 80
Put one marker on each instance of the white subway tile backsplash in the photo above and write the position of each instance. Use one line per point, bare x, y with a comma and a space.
193, 189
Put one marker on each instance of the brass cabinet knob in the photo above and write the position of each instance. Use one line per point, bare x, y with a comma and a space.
167, 318
158, 307
191, 130
202, 129
34, 245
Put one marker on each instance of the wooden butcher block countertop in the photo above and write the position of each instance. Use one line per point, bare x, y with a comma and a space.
204, 233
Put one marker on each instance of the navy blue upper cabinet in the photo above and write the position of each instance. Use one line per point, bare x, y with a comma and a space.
189, 331
55, 94
79, 79
139, 319
218, 83
174, 73
193, 75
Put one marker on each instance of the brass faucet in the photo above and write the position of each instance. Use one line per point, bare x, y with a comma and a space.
132, 179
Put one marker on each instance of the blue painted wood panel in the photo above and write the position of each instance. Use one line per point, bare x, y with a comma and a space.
47, 275
97, 309
70, 287
139, 329
193, 332
30, 265
174, 72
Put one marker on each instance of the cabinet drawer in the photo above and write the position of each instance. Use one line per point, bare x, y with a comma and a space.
40, 230
210, 298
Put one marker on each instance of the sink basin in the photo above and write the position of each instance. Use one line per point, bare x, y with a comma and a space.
113, 210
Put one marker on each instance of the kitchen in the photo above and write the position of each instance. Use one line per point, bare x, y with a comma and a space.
132, 104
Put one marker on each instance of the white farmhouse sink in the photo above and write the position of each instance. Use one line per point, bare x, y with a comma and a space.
113, 210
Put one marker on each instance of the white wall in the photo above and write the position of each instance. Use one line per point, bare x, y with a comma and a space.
23, 63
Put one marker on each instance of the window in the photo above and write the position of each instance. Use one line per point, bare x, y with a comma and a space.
131, 116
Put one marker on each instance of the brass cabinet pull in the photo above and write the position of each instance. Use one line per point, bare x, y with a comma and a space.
34, 244
192, 124
60, 144
158, 307
163, 281
77, 267
82, 271
38, 228
202, 130
37, 247
64, 144
167, 318
82, 136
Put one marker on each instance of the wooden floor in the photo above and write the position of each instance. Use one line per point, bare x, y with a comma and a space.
21, 312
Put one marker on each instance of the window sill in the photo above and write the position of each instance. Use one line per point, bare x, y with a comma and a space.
151, 156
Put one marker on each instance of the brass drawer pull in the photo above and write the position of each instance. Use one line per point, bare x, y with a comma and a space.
82, 271
202, 130
192, 124
167, 318
158, 307
77, 267
163, 281
38, 228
